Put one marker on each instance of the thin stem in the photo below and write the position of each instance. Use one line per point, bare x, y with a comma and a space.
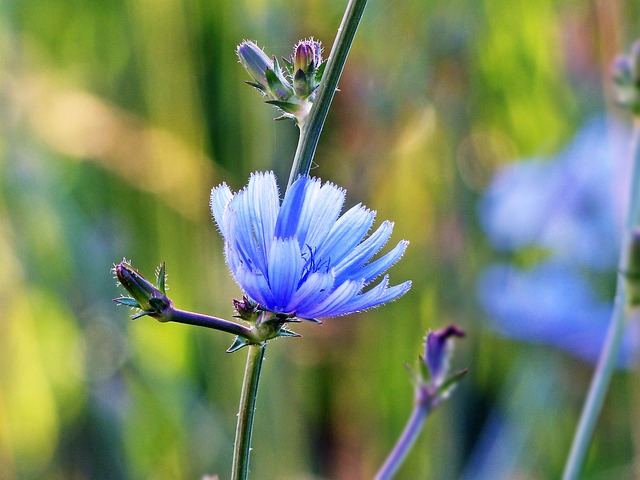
633, 218
244, 428
311, 129
597, 393
405, 442
309, 135
200, 320
606, 363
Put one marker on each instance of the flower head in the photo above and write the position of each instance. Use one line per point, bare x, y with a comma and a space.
300, 258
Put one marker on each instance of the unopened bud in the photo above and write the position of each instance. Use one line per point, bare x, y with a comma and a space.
255, 61
144, 295
438, 348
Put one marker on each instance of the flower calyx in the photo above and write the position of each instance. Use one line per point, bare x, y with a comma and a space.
267, 326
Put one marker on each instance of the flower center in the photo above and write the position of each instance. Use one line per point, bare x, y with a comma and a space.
312, 264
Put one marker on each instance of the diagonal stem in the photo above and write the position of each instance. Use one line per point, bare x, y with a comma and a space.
311, 129
606, 363
405, 442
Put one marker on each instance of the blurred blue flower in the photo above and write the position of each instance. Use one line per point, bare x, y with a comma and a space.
300, 258
572, 207
572, 204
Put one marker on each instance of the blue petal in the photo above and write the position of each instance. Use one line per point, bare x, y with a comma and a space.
351, 265
255, 286
347, 232
220, 197
376, 296
323, 214
235, 239
263, 204
381, 265
242, 233
337, 300
285, 267
313, 291
291, 211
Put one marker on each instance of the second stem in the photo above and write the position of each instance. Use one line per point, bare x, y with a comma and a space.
244, 428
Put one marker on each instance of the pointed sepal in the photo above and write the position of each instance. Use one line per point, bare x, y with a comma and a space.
287, 333
287, 107
128, 301
161, 278
444, 390
238, 343
320, 71
278, 86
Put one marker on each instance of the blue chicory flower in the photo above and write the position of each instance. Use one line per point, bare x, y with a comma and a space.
301, 258
572, 207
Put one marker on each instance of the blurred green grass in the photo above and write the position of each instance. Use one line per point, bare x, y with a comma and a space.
118, 117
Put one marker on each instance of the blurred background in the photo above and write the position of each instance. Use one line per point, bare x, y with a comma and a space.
485, 129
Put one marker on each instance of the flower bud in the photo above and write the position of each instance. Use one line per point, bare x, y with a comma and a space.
255, 61
306, 60
438, 350
303, 56
144, 295
246, 309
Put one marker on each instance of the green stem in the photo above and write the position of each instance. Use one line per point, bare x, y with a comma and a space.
606, 363
311, 129
244, 428
309, 135
405, 442
200, 320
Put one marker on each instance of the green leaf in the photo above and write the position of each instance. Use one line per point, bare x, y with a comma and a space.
128, 301
425, 373
278, 86
238, 343
286, 107
288, 65
256, 85
320, 71
451, 382
287, 333
161, 278
141, 314
300, 84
